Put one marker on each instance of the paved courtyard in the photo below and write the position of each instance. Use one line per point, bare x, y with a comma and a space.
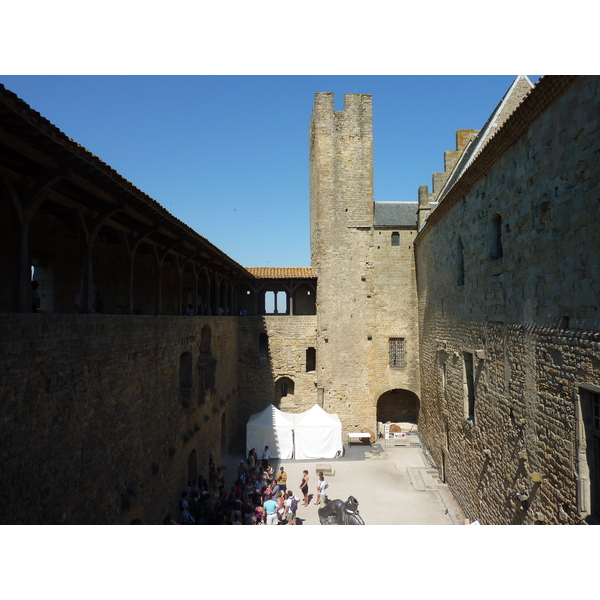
398, 490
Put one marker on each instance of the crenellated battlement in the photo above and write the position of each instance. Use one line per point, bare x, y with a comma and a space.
451, 159
357, 116
341, 168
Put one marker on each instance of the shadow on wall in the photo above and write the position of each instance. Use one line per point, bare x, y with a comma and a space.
255, 376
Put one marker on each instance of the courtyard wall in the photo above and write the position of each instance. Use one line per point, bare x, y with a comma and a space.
98, 427
526, 316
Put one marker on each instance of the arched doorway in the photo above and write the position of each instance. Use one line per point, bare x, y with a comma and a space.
398, 406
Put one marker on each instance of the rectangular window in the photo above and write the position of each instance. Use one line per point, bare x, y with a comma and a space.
469, 387
397, 352
311, 359
595, 454
589, 453
395, 238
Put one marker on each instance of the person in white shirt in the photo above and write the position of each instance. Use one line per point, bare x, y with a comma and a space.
290, 503
266, 457
322, 485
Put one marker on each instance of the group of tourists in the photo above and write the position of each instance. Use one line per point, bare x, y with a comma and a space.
259, 495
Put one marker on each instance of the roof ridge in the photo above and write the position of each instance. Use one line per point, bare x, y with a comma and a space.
25, 111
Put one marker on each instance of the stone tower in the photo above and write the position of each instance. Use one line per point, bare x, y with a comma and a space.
341, 214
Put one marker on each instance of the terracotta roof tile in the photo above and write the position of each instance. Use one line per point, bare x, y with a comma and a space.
282, 272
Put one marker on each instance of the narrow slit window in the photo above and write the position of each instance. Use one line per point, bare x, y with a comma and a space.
469, 387
263, 346
311, 359
496, 240
461, 263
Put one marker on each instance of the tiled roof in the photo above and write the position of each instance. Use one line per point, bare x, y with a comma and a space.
282, 272
396, 214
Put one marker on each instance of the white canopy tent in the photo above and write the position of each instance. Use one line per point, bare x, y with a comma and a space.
272, 428
317, 434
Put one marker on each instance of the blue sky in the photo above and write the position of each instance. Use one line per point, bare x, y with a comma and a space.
228, 155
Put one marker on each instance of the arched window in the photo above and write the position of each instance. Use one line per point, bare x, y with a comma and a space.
284, 390
395, 238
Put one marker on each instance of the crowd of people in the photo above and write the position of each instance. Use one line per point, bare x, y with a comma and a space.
258, 496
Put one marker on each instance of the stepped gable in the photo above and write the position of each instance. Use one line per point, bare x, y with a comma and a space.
513, 97
547, 90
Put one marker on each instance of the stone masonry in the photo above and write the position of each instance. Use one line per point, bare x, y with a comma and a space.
476, 314
507, 280
97, 428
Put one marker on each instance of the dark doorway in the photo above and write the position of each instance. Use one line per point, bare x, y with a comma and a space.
398, 406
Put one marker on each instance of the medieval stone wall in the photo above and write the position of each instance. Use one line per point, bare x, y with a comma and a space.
288, 338
97, 427
525, 316
395, 303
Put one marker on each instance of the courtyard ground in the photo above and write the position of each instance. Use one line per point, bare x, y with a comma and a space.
399, 488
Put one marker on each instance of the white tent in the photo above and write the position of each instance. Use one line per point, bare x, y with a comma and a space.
317, 434
272, 428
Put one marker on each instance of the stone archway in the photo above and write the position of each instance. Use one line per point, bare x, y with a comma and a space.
398, 406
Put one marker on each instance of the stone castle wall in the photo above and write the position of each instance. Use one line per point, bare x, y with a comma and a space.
96, 427
527, 315
395, 303
288, 340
